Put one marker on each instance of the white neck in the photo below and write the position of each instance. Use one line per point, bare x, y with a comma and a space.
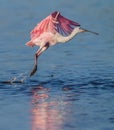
64, 39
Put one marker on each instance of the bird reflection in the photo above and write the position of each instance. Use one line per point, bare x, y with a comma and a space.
46, 113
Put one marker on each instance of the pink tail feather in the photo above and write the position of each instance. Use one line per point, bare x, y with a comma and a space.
30, 43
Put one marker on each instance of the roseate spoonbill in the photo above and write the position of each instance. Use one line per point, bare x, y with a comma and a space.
54, 29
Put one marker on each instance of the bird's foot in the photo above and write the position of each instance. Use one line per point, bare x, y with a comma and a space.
33, 71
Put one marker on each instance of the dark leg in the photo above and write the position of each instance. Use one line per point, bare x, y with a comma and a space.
35, 66
36, 58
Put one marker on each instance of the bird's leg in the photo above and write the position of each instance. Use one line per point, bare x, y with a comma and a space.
35, 66
38, 53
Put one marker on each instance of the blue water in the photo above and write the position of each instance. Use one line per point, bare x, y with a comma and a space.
73, 88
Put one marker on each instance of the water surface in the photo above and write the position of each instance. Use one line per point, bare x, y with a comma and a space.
73, 88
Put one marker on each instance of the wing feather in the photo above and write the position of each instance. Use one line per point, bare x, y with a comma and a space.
54, 23
66, 25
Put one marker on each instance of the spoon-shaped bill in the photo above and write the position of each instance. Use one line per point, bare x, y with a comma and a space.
85, 30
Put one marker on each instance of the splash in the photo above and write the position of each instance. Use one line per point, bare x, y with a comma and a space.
21, 78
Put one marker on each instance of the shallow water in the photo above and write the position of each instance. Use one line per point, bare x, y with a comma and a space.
73, 88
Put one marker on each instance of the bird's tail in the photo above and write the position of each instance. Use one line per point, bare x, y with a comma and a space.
30, 43
85, 30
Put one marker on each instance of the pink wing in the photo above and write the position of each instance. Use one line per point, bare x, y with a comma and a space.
63, 25
54, 23
45, 25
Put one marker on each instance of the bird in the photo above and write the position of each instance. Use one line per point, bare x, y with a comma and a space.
54, 29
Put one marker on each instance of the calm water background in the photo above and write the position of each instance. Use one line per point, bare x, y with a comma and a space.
74, 86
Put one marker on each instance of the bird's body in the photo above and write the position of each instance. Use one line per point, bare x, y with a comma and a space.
52, 30
52, 38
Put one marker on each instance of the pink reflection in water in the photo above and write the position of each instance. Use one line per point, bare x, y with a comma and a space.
46, 114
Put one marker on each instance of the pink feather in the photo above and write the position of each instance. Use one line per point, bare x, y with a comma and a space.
64, 26
54, 23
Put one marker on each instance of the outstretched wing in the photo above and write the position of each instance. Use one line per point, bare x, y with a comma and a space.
46, 25
63, 25
54, 23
